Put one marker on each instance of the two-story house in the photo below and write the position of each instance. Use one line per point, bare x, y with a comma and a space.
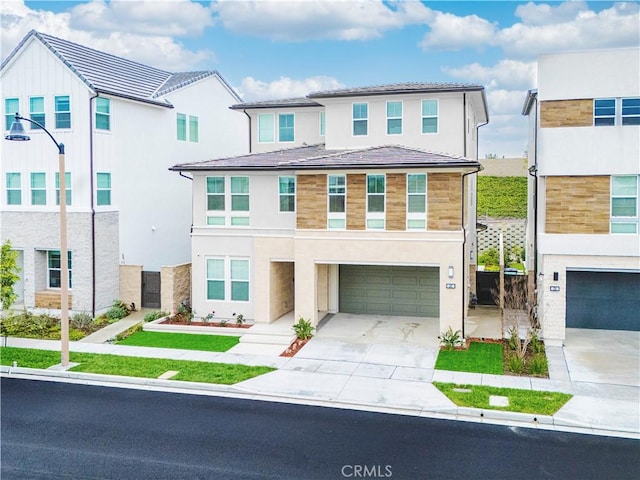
584, 160
123, 124
343, 206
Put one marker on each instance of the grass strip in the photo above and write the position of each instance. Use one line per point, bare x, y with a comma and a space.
523, 401
204, 372
185, 341
478, 358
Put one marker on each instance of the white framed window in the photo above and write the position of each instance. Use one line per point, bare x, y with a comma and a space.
337, 202
266, 128
286, 125
54, 268
239, 201
394, 118
227, 201
323, 123
287, 193
62, 111
14, 188
103, 188
630, 111
103, 113
375, 202
38, 188
616, 111
624, 203
430, 116
216, 211
181, 127
416, 201
360, 119
604, 111
227, 278
193, 128
11, 107
36, 112
67, 188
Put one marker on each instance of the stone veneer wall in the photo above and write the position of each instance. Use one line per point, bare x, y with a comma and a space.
311, 201
175, 286
578, 204
282, 289
444, 200
566, 113
131, 284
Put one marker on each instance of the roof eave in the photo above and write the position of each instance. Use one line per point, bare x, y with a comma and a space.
399, 91
157, 103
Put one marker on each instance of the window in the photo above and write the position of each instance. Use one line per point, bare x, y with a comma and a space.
38, 189
239, 200
624, 204
287, 191
215, 200
54, 272
181, 126
235, 209
67, 188
193, 129
11, 106
14, 189
337, 202
103, 188
394, 118
375, 201
429, 116
360, 118
631, 111
235, 286
322, 124
103, 113
285, 127
604, 111
265, 128
36, 110
62, 108
616, 111
416, 201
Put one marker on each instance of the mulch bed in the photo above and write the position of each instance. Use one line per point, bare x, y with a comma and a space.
179, 319
294, 348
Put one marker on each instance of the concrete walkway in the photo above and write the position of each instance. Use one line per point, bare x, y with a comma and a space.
110, 331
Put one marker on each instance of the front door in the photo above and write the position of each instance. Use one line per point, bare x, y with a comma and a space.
151, 289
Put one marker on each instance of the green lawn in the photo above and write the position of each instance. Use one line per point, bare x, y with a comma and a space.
478, 358
186, 341
204, 372
524, 401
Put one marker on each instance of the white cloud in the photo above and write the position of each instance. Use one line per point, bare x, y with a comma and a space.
284, 87
505, 135
451, 32
545, 14
301, 20
510, 74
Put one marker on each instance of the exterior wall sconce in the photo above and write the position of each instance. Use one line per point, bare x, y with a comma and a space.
450, 271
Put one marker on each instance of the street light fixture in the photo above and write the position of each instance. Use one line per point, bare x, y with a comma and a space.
18, 134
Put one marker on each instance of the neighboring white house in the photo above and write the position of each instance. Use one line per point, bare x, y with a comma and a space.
123, 125
343, 206
584, 150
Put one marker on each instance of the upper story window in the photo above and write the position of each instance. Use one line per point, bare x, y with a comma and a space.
624, 204
103, 188
14, 188
337, 198
429, 116
38, 188
11, 107
181, 126
616, 111
375, 201
54, 272
67, 188
233, 211
416, 201
193, 128
103, 113
36, 112
360, 119
285, 127
287, 192
394, 118
62, 108
266, 128
323, 122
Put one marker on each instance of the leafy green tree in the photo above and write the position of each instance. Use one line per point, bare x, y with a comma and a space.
8, 275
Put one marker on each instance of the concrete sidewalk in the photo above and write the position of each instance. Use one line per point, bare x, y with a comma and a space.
377, 377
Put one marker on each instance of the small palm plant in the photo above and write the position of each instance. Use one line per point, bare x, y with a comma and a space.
303, 329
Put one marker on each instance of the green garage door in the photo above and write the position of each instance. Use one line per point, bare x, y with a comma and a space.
388, 290
605, 300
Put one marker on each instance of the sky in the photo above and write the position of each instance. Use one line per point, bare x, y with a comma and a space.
271, 49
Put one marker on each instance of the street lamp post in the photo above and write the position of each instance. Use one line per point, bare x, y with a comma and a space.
17, 133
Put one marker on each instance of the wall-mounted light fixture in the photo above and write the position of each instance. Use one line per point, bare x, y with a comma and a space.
450, 271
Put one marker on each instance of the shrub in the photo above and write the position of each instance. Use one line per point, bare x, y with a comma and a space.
136, 328
155, 315
538, 365
81, 321
514, 338
536, 344
489, 257
239, 319
515, 364
117, 311
451, 339
303, 329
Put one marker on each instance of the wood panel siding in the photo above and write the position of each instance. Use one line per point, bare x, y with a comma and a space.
50, 299
311, 202
566, 113
356, 201
396, 208
444, 201
578, 204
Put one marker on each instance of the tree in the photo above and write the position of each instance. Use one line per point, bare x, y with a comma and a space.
8, 275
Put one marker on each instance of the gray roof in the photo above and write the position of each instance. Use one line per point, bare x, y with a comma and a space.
393, 88
317, 157
112, 75
287, 102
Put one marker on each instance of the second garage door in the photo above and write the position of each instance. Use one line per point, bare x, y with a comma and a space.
390, 290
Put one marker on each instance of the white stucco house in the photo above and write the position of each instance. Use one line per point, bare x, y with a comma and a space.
584, 160
123, 124
356, 200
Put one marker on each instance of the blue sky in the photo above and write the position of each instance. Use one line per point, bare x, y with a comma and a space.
280, 48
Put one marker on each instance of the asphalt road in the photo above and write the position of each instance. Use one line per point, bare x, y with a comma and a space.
64, 431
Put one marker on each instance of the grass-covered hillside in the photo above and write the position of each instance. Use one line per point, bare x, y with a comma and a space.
502, 197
